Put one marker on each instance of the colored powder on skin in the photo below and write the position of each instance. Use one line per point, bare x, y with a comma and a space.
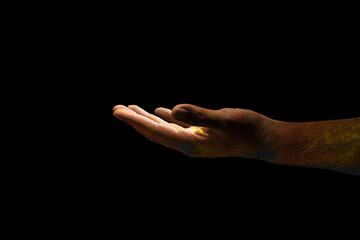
331, 145
196, 129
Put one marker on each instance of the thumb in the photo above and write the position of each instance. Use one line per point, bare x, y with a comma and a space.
196, 116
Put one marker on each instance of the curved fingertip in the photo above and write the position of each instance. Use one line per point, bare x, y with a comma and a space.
117, 107
164, 113
124, 114
180, 113
133, 106
161, 110
118, 112
184, 105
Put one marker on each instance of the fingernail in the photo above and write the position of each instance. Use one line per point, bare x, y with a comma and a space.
181, 114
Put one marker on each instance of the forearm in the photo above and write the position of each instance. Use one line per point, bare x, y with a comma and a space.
325, 144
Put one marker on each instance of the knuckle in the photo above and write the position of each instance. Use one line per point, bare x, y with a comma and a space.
225, 112
232, 114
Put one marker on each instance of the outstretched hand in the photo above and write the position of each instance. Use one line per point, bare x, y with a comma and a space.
200, 132
235, 132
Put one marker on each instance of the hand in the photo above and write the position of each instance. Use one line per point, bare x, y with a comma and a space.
200, 132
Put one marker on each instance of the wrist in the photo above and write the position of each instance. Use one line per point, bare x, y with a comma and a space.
264, 136
287, 140
275, 134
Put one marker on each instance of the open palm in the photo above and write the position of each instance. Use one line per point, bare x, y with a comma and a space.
237, 132
165, 130
213, 133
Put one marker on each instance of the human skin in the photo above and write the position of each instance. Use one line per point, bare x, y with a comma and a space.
236, 132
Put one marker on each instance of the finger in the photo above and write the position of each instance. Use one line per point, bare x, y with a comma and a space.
159, 132
197, 116
132, 118
117, 107
141, 111
166, 114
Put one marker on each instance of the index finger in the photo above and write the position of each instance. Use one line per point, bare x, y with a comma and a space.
161, 133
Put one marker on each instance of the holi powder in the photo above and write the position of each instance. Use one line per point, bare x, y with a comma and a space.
191, 129
332, 144
196, 129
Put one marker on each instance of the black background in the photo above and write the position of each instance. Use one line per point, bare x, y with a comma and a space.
105, 178
300, 69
